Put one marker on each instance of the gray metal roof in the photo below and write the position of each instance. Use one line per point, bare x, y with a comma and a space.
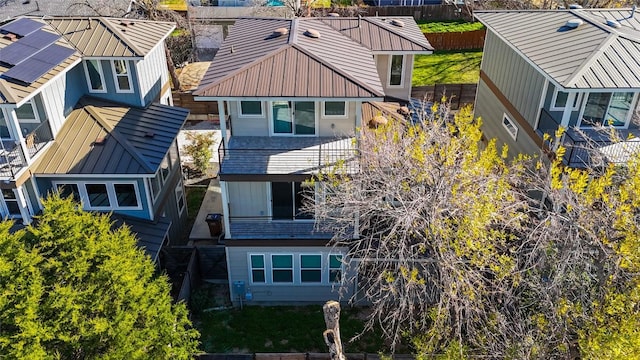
106, 138
594, 55
252, 62
149, 234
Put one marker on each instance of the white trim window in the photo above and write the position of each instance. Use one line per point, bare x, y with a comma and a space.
258, 269
27, 113
11, 206
282, 268
396, 70
122, 75
335, 268
559, 101
96, 195
311, 268
510, 126
95, 76
250, 109
334, 109
4, 127
180, 200
607, 109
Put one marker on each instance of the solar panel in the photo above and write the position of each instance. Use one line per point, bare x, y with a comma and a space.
25, 47
22, 27
39, 64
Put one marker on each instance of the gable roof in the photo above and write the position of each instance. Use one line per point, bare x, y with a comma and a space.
254, 62
100, 36
100, 137
594, 55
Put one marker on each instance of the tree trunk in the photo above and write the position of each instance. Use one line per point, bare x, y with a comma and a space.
331, 336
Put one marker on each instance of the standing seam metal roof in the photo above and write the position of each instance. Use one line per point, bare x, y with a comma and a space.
592, 56
106, 138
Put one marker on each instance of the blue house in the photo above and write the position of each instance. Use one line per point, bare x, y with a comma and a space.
85, 111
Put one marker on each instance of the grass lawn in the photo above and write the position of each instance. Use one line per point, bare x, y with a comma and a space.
175, 5
279, 329
445, 67
317, 4
448, 26
195, 195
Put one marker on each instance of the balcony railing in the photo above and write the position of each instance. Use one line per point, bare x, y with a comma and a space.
11, 159
264, 227
587, 147
38, 138
287, 155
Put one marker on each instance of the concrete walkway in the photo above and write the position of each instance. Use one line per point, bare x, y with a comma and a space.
212, 203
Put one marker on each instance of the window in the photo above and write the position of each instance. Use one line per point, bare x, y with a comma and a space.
27, 113
126, 195
287, 200
97, 195
297, 118
251, 108
155, 186
67, 190
335, 109
310, 268
4, 128
11, 202
102, 196
335, 268
95, 76
282, 268
511, 127
180, 197
164, 168
559, 101
396, 70
257, 269
608, 109
121, 75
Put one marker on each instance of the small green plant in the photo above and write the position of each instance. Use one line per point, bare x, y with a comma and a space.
199, 149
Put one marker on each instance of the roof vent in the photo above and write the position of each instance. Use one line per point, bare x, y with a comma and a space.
398, 23
10, 37
312, 33
575, 6
149, 134
123, 23
613, 23
332, 14
279, 32
574, 23
100, 140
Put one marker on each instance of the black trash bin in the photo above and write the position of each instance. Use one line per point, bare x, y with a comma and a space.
215, 224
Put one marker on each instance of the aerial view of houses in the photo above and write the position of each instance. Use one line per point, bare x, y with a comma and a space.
182, 178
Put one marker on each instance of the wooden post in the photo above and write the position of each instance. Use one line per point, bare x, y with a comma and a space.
331, 336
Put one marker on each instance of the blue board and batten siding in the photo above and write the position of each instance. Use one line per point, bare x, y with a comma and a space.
508, 71
129, 98
61, 95
239, 270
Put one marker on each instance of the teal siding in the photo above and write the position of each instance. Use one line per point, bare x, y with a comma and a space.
518, 80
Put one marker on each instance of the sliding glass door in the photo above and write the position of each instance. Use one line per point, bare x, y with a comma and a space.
294, 118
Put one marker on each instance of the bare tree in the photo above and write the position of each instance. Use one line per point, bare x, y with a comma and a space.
459, 248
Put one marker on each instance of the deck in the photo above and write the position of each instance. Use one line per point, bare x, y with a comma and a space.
258, 155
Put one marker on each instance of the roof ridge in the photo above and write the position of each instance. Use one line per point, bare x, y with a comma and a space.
335, 68
242, 68
121, 36
6, 92
391, 30
606, 43
91, 109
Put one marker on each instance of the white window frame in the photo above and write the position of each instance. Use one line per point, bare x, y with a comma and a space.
345, 115
179, 192
634, 105
100, 72
320, 269
510, 126
554, 99
111, 194
329, 268
35, 120
155, 195
293, 124
128, 74
263, 268
241, 114
404, 66
5, 207
272, 269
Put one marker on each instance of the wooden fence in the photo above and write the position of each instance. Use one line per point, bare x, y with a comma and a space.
457, 40
458, 94
186, 100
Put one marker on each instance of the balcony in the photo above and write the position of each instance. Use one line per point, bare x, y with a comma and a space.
583, 144
260, 228
13, 159
257, 155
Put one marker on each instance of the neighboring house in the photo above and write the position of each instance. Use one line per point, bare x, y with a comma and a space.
84, 110
13, 8
295, 92
579, 69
